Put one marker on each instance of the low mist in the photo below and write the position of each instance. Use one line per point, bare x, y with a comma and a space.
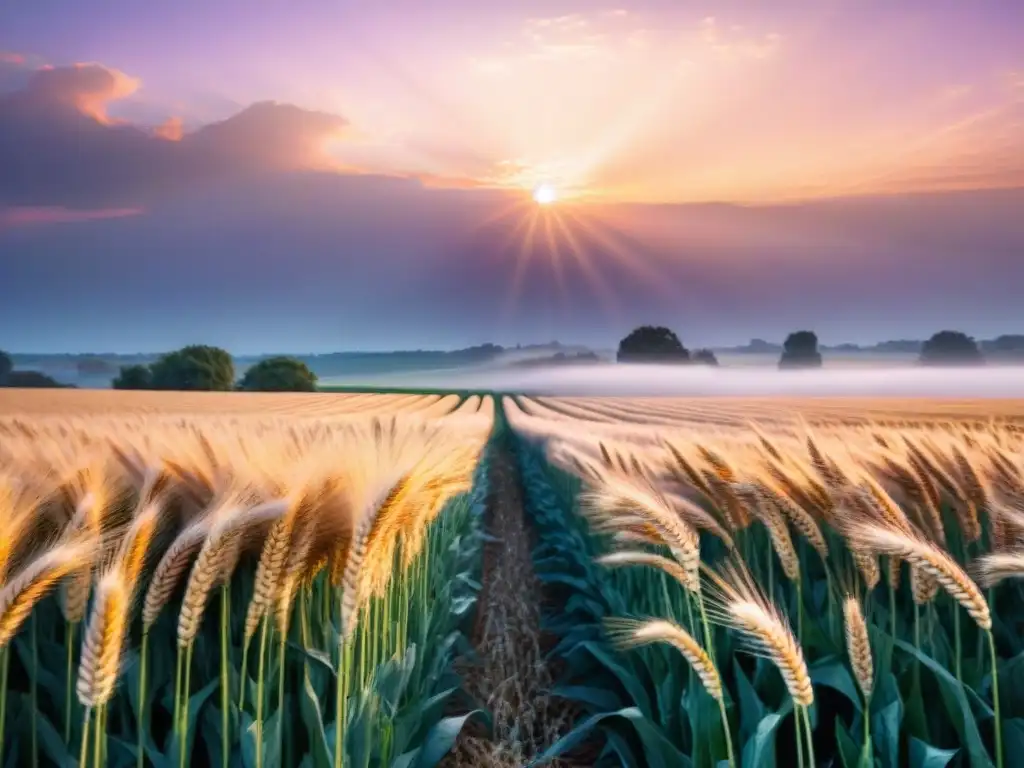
640, 380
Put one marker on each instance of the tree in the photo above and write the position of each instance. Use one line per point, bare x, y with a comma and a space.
800, 351
651, 344
951, 348
31, 380
705, 357
279, 374
1008, 346
196, 367
6, 366
134, 377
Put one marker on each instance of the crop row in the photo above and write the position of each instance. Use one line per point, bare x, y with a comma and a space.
795, 598
262, 597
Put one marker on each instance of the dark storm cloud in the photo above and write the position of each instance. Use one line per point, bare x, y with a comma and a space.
58, 147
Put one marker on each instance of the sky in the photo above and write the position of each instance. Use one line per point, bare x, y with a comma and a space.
316, 176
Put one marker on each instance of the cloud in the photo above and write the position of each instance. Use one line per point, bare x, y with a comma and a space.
735, 42
29, 216
59, 147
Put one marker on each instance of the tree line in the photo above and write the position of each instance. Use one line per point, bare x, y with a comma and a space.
657, 344
193, 368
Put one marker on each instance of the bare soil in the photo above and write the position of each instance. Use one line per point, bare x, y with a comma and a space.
509, 677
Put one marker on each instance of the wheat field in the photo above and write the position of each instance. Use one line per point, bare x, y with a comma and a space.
414, 579
182, 571
816, 582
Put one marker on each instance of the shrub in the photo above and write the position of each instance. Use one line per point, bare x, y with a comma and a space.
31, 380
652, 344
279, 374
196, 367
705, 357
134, 377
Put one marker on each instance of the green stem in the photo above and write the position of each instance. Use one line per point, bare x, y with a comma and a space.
798, 736
143, 653
957, 642
97, 747
810, 735
83, 753
259, 695
243, 679
72, 630
709, 639
892, 610
866, 758
34, 688
726, 730
184, 706
225, 608
177, 689
800, 609
995, 699
280, 696
4, 668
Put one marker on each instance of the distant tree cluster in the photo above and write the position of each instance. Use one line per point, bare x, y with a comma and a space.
210, 369
279, 374
657, 344
24, 379
800, 351
951, 348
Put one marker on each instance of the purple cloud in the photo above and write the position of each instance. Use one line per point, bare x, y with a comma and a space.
59, 147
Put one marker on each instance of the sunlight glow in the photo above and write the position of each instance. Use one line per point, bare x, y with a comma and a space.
545, 194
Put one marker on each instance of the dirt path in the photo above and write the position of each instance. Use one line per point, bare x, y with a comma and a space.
510, 678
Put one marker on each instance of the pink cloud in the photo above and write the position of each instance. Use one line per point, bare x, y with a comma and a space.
40, 215
9, 57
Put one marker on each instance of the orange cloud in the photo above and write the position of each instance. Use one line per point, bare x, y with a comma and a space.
87, 87
171, 129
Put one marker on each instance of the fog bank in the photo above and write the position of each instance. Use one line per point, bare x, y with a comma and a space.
694, 381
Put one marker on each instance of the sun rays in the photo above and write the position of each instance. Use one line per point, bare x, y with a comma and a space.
556, 244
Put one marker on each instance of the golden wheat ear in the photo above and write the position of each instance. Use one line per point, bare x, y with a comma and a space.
929, 560
994, 567
738, 603
858, 646
626, 634
37, 579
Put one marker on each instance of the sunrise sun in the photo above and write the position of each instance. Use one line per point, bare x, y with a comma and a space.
545, 194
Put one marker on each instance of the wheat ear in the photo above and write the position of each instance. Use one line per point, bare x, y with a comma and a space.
30, 585
209, 564
630, 557
933, 561
169, 570
626, 634
104, 637
858, 646
738, 603
994, 567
